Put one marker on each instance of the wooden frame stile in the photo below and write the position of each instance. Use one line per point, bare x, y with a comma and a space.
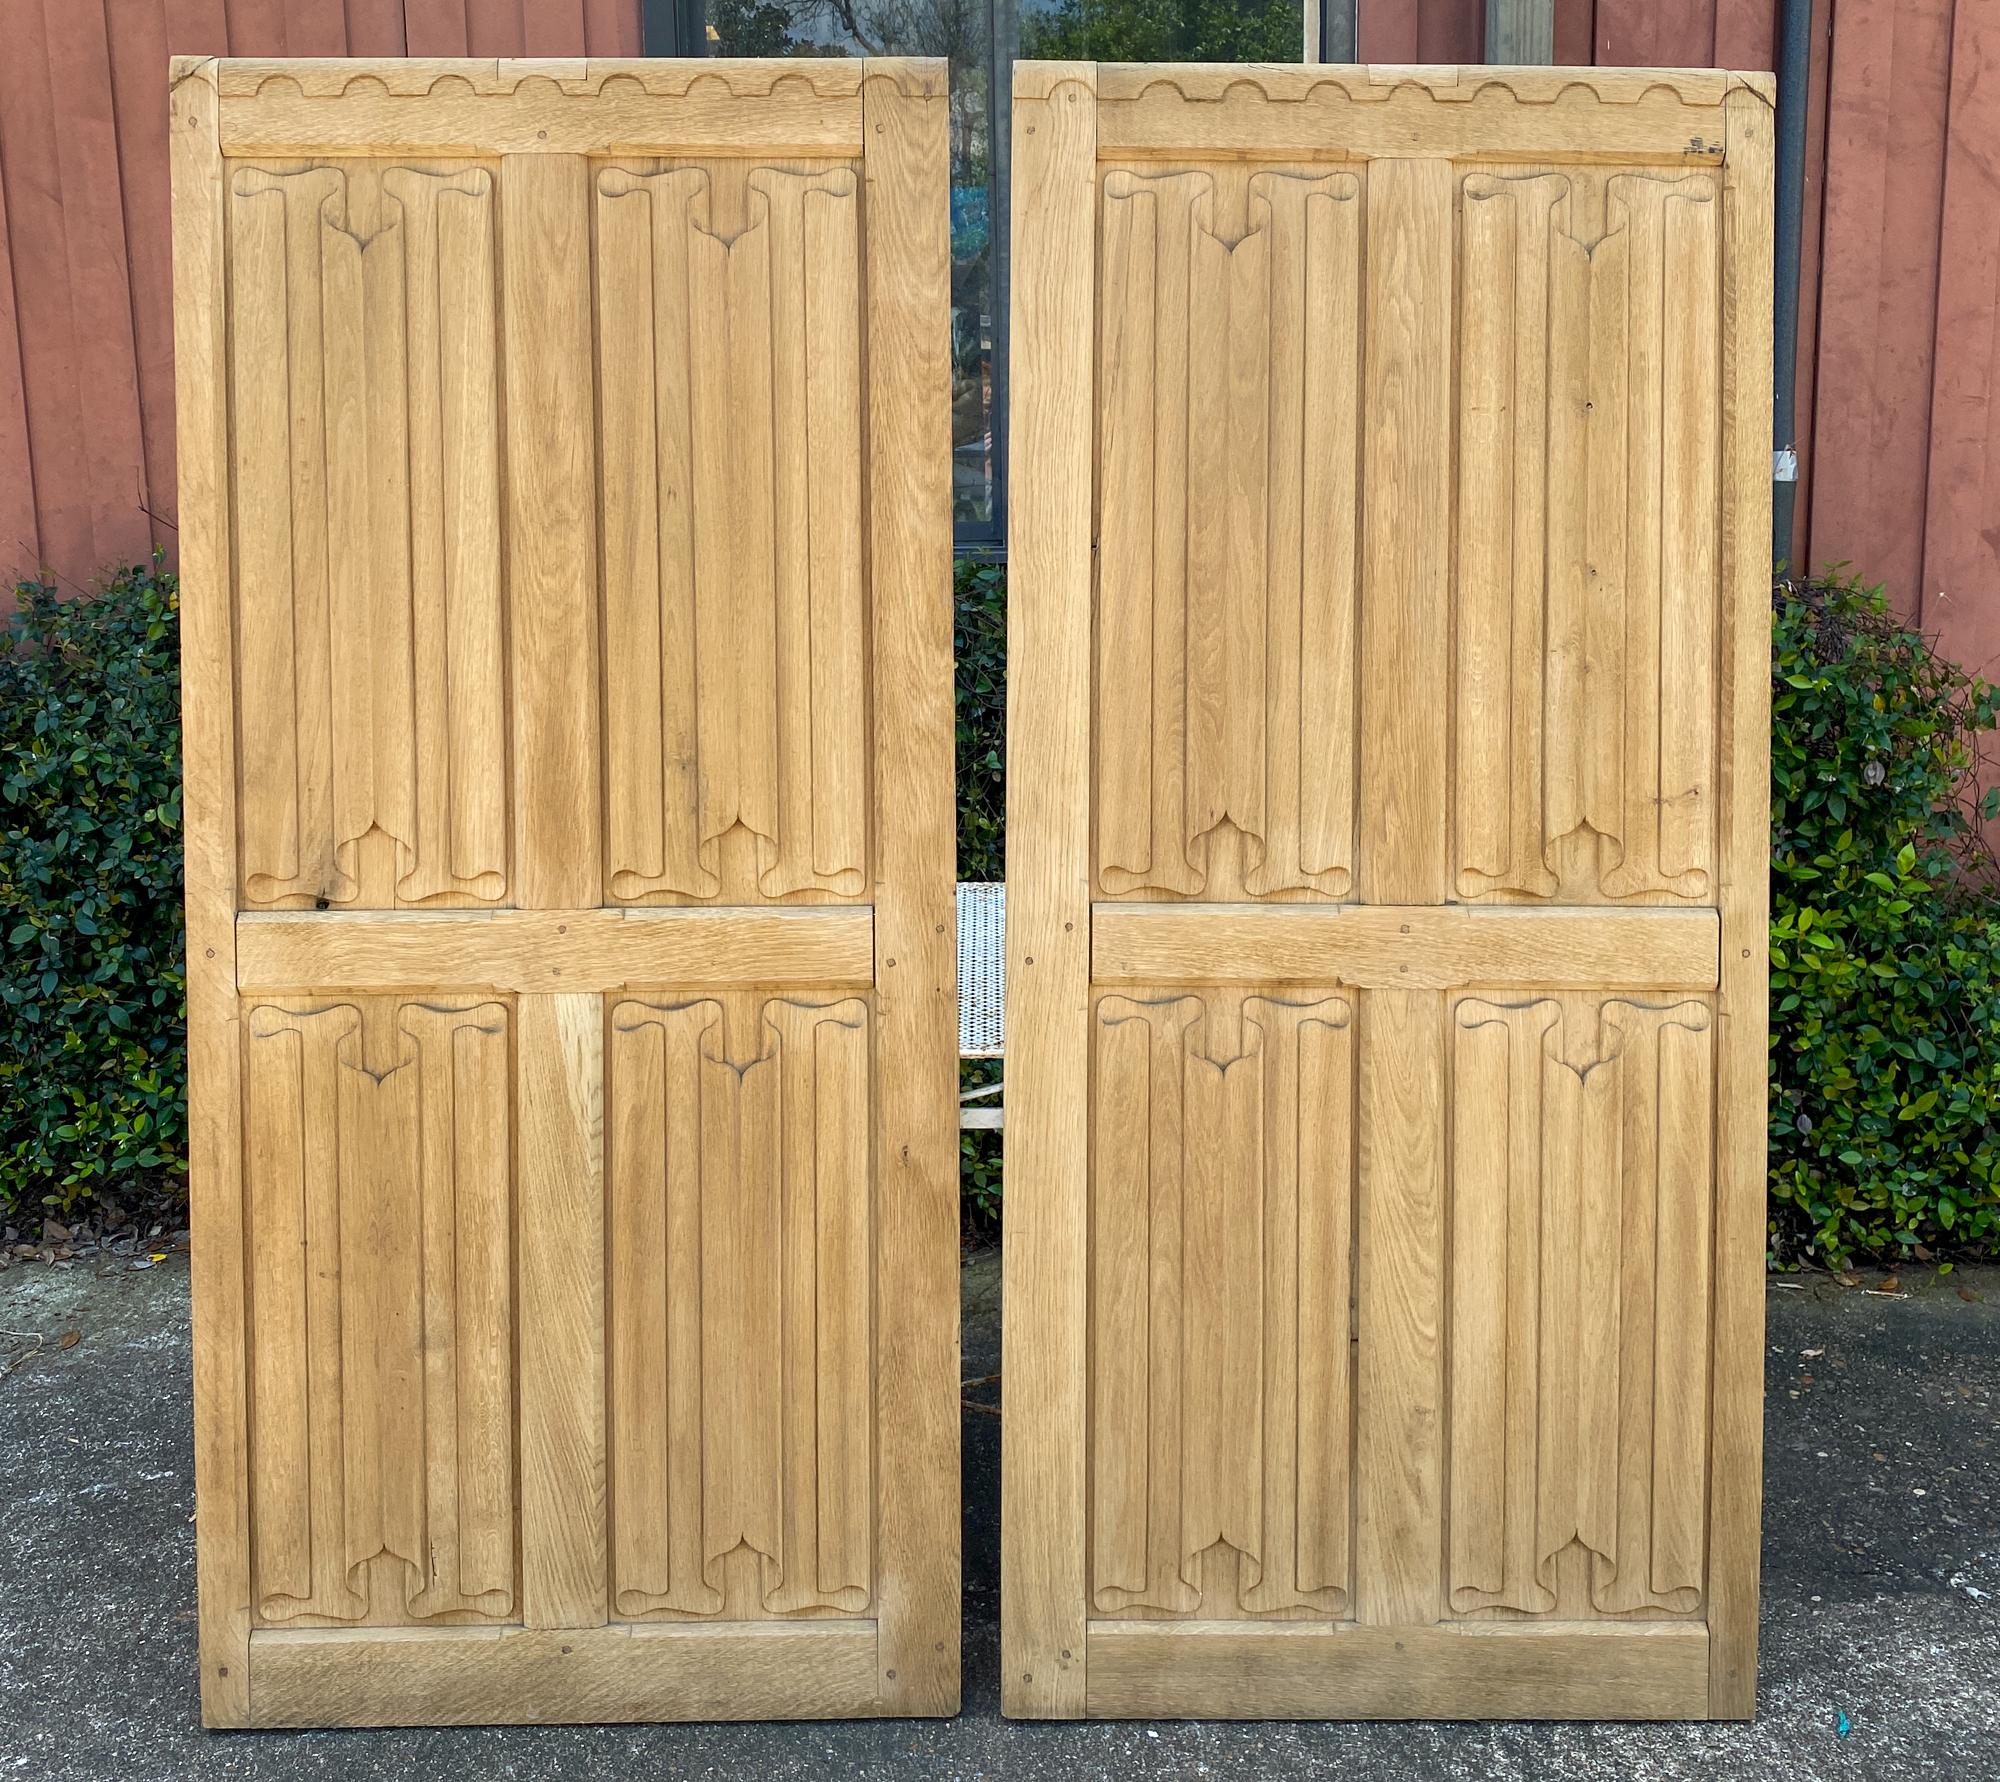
1048, 895
1387, 948
209, 818
903, 105
1743, 1007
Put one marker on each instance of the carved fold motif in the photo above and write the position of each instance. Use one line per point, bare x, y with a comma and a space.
378, 1180
740, 1266
1221, 1221
1589, 457
1225, 652
366, 539
1582, 1180
735, 623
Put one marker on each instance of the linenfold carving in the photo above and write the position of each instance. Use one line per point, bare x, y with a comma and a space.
735, 614
1588, 575
1582, 1170
1221, 1227
740, 1255
377, 1177
368, 589
1226, 597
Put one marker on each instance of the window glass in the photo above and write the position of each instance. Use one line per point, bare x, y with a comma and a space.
980, 39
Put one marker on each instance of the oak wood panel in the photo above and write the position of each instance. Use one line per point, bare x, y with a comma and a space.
551, 950
1582, 1145
765, 1670
739, 1377
1387, 947
381, 1226
1414, 1120
1345, 114
562, 1259
1222, 1222
1405, 527
735, 626
516, 106
1555, 1671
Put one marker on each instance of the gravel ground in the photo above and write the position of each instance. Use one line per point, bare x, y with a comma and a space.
1881, 1584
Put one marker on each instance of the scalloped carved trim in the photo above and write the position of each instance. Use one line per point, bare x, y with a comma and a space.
577, 78
1280, 84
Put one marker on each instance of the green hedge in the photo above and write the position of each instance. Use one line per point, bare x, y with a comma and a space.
1885, 940
93, 1073
1885, 1044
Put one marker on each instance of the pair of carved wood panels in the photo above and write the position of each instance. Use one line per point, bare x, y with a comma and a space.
564, 457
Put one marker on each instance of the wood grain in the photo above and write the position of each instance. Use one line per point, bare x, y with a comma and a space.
1048, 914
1405, 519
1277, 1671
562, 1258
551, 532
525, 1676
551, 950
560, 1163
215, 1184
915, 1146
1743, 1010
1412, 1200
1406, 947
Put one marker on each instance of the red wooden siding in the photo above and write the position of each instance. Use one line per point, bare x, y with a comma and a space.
1420, 30
86, 308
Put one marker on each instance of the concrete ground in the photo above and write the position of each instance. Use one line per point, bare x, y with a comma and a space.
1881, 1586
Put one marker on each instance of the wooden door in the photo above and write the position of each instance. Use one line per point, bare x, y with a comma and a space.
1387, 829
565, 530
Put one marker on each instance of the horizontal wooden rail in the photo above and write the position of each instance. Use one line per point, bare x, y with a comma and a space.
483, 1676
1299, 1670
1388, 947
830, 947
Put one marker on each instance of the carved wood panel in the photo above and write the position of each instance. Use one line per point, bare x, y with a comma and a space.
1225, 650
1581, 1196
727, 293
377, 1153
565, 461
1589, 459
740, 1300
1222, 1230
363, 354
1387, 825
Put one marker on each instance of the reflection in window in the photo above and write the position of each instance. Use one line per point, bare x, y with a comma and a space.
977, 37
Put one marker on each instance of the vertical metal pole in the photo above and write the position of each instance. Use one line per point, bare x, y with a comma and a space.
1794, 81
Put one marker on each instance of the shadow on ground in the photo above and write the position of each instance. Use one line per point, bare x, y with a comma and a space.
1881, 1587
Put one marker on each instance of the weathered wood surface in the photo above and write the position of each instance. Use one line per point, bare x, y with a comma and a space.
572, 993
1385, 1166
